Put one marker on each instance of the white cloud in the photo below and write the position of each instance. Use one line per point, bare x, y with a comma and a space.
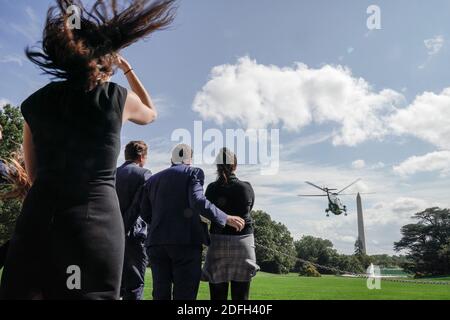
436, 161
12, 59
347, 239
4, 102
427, 118
397, 211
257, 96
434, 45
361, 164
409, 205
378, 165
358, 164
291, 148
163, 105
31, 29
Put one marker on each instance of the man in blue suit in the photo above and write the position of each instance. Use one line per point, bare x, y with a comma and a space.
172, 202
131, 176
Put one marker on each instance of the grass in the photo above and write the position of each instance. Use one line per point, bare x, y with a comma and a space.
267, 286
436, 279
292, 287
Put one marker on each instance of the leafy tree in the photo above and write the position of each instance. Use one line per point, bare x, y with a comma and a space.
12, 122
316, 250
275, 250
309, 270
358, 247
348, 263
427, 242
386, 261
363, 258
444, 254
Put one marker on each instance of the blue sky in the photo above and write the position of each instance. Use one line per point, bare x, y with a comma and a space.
393, 81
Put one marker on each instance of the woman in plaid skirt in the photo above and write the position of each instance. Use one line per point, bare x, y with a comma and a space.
231, 258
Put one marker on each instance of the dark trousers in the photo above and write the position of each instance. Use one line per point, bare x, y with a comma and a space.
176, 271
239, 291
134, 267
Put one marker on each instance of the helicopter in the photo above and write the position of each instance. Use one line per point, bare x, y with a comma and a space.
335, 205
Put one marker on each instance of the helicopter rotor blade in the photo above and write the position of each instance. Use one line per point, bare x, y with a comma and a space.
316, 186
312, 195
349, 186
355, 194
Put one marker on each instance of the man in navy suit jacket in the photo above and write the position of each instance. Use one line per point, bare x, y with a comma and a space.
172, 202
131, 176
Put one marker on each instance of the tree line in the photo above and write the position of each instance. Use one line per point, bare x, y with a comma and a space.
426, 243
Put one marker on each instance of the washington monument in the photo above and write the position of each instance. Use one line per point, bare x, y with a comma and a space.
361, 235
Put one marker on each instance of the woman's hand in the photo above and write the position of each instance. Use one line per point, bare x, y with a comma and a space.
122, 63
236, 222
139, 107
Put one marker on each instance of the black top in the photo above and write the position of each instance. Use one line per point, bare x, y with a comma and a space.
71, 215
76, 134
234, 198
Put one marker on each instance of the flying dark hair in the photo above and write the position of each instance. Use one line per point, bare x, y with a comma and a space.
86, 55
226, 162
18, 182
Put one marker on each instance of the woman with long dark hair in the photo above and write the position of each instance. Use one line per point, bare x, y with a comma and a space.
231, 257
69, 238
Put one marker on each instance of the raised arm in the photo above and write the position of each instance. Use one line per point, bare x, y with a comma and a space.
29, 153
139, 107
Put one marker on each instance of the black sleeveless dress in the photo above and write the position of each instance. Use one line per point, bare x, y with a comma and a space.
69, 239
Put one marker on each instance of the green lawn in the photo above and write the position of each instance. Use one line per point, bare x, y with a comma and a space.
437, 279
292, 287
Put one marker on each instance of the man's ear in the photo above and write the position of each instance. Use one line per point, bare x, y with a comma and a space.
142, 159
